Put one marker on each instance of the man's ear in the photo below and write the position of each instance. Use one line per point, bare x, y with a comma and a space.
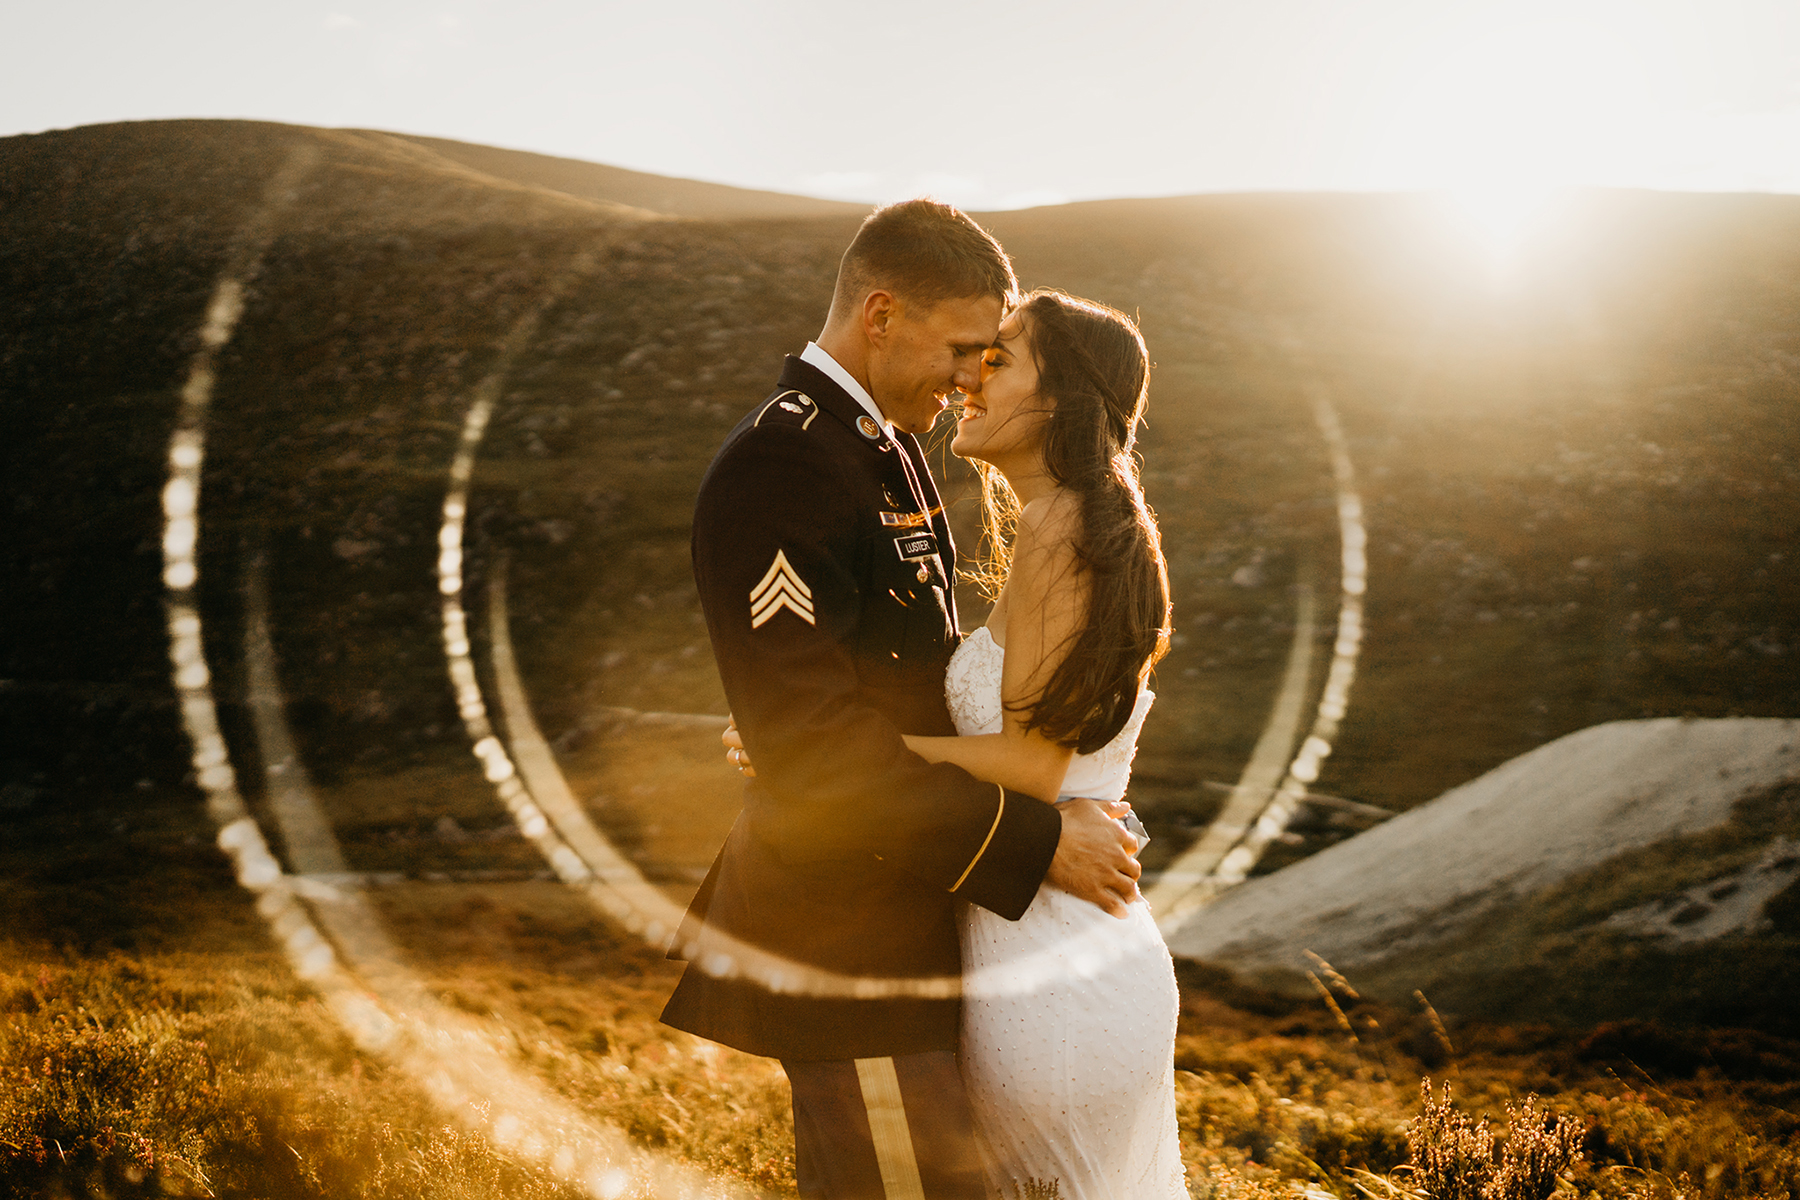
878, 311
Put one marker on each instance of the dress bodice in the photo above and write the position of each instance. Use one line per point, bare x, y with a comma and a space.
972, 692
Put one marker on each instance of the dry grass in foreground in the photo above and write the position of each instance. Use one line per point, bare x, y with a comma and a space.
218, 1074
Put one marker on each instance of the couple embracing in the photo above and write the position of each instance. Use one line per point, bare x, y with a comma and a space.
928, 908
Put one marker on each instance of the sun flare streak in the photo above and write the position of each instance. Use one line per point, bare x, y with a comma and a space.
388, 1012
461, 1062
1334, 701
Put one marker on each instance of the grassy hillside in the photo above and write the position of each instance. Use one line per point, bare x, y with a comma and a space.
1580, 487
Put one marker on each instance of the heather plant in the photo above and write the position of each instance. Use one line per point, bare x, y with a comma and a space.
106, 1106
1452, 1154
1454, 1157
1538, 1149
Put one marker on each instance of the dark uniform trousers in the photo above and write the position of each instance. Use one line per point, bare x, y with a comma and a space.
884, 1129
823, 562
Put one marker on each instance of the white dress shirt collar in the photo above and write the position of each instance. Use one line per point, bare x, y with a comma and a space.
821, 358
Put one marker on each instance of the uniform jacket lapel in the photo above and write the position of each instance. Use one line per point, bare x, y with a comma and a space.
836, 402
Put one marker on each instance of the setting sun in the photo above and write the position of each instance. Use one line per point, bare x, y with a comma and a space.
1497, 218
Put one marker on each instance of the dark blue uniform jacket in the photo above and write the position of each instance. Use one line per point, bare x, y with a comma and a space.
823, 562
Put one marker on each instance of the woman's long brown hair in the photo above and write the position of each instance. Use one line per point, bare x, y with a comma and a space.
1094, 371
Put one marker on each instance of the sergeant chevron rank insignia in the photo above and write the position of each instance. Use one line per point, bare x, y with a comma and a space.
781, 588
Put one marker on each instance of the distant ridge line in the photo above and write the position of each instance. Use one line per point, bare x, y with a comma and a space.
664, 194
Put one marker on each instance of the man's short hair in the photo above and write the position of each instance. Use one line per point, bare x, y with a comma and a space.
923, 252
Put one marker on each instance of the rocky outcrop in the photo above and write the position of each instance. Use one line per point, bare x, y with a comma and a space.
1622, 842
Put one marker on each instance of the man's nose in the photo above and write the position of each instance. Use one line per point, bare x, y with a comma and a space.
967, 376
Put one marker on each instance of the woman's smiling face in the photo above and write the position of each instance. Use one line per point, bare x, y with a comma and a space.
1003, 423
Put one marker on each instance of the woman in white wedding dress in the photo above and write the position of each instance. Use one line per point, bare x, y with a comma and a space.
1069, 1013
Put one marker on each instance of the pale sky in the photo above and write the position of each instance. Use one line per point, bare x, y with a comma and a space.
982, 103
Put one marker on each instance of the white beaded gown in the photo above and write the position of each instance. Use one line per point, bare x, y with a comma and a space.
1069, 1014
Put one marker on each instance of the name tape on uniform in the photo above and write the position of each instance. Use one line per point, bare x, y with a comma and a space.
915, 546
922, 548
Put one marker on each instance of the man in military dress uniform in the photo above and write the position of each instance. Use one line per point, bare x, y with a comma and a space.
825, 934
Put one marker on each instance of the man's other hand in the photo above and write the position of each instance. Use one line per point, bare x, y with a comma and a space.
1094, 856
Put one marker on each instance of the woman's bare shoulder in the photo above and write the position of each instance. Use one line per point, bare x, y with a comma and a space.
1052, 519
1044, 557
